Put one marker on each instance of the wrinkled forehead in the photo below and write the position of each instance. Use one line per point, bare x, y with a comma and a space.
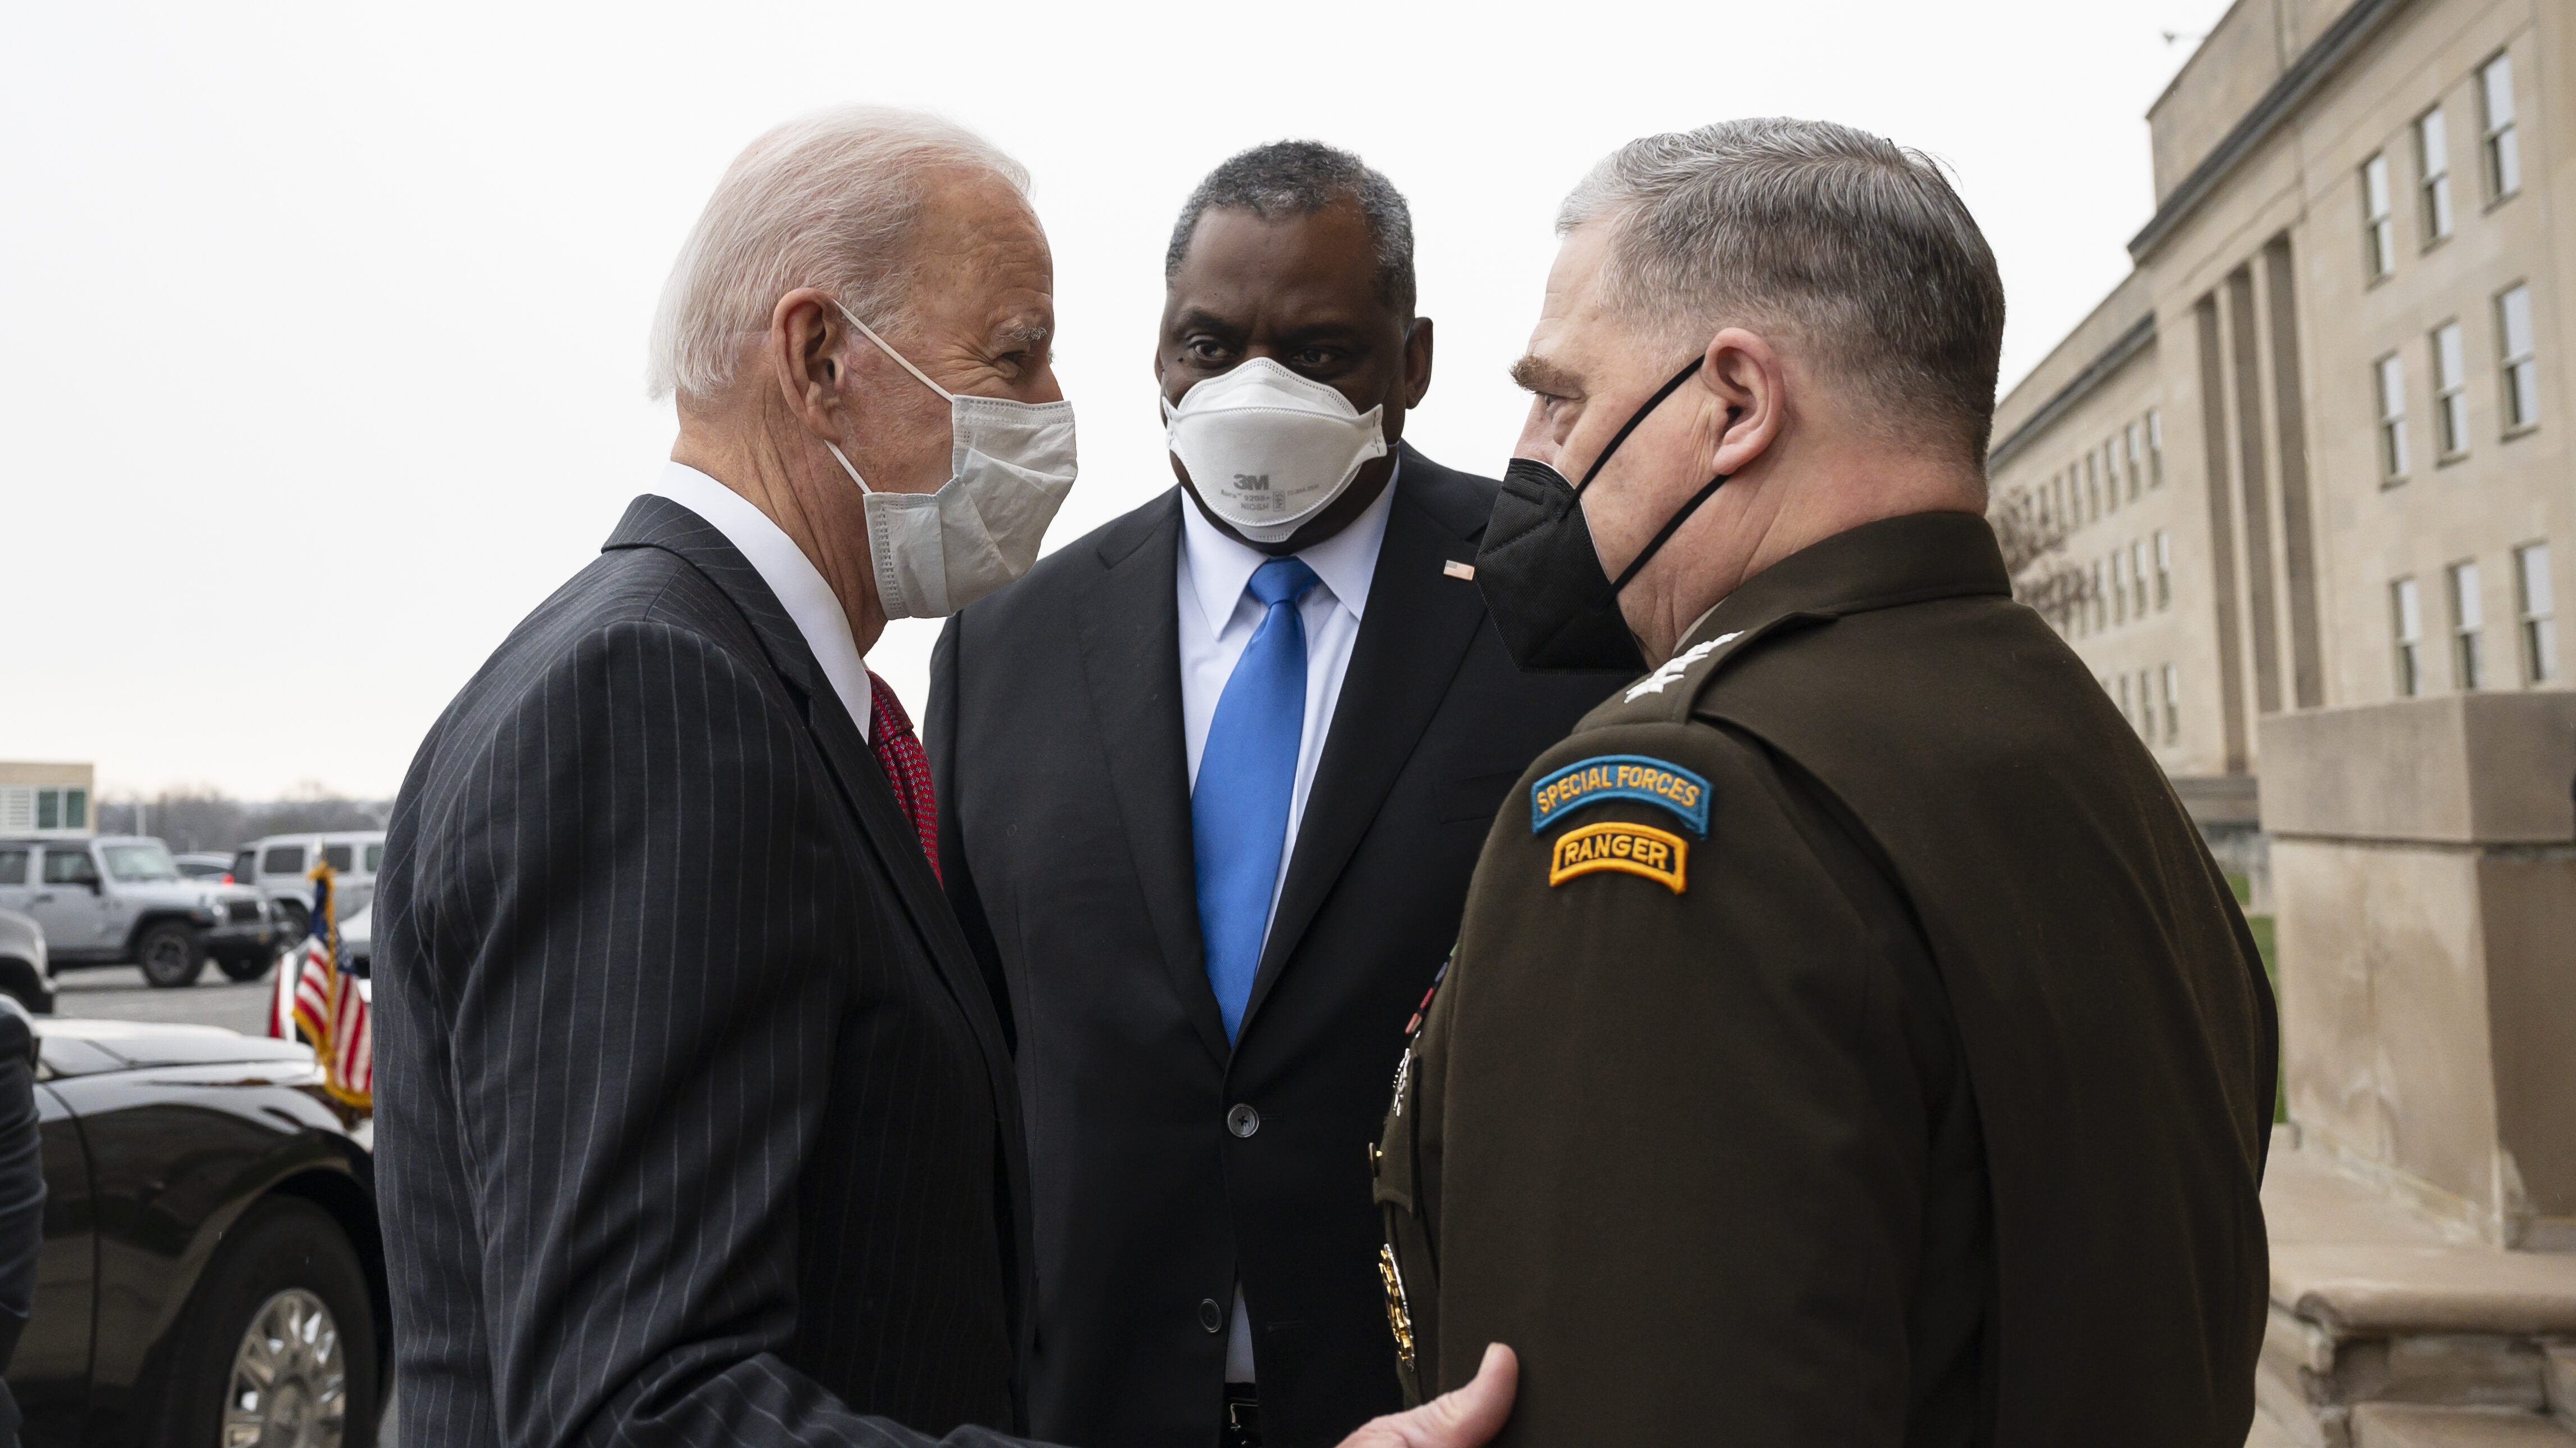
1577, 329
980, 266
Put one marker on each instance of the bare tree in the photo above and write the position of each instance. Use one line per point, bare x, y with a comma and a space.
201, 817
2034, 555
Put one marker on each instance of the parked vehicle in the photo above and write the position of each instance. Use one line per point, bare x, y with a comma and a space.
120, 900
276, 865
213, 1270
202, 865
25, 977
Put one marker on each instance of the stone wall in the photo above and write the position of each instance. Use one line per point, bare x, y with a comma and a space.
2424, 872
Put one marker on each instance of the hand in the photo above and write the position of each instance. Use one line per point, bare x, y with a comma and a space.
1462, 1419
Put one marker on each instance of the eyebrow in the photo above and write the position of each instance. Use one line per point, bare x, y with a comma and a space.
1537, 374
1022, 332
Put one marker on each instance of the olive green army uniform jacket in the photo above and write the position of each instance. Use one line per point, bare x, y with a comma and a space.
1850, 1041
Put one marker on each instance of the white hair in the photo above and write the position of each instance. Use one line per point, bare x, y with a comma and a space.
826, 200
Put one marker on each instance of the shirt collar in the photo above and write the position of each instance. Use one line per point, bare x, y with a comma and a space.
1221, 568
810, 602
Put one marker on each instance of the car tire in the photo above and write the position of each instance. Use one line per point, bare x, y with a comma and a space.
297, 917
278, 1340
253, 966
171, 955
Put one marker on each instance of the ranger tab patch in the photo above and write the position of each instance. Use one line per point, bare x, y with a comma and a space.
1620, 776
1659, 855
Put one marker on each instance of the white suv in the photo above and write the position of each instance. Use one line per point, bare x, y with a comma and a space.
276, 865
120, 899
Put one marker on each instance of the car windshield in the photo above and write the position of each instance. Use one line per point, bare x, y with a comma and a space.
132, 863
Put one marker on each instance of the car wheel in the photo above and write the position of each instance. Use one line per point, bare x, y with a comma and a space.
277, 1347
170, 954
253, 966
296, 916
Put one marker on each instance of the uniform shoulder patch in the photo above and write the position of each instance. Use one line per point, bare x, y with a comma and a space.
1658, 855
1606, 777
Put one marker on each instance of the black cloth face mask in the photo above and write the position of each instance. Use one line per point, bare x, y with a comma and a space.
1557, 611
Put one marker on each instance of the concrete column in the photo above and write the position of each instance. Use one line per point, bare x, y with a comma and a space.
2424, 886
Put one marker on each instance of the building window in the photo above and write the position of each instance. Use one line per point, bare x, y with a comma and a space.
2173, 707
2390, 372
2092, 489
2127, 712
2147, 705
2111, 472
2433, 163
2101, 605
2138, 578
2378, 229
2406, 614
44, 809
2521, 377
2155, 449
2495, 113
2164, 571
2119, 586
2129, 444
2465, 618
2450, 390
2539, 619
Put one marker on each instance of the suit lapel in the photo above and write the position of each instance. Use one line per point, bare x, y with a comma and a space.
657, 522
1413, 637
1128, 622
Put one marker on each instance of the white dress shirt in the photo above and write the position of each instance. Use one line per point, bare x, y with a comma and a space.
1217, 620
809, 601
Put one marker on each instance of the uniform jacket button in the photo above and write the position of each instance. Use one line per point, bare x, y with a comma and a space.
1211, 1316
1243, 1120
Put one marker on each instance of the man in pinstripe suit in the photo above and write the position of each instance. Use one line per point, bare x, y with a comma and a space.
695, 1120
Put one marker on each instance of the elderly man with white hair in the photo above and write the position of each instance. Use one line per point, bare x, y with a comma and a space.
695, 1120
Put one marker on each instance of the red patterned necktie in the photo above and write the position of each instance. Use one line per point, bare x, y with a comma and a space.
906, 767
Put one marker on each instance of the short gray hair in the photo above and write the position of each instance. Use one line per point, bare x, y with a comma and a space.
1854, 246
827, 200
1300, 178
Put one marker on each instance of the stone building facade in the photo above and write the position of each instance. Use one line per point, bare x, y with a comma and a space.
2312, 452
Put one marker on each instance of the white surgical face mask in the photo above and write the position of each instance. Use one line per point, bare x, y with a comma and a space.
1010, 466
1268, 449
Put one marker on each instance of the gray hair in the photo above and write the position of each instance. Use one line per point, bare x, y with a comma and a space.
1300, 178
827, 200
1855, 247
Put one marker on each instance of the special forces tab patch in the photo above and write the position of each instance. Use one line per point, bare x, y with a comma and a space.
1659, 855
1620, 776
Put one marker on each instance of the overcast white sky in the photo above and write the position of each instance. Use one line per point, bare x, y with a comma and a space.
322, 327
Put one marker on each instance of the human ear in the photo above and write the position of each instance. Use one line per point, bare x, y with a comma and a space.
1417, 362
1748, 387
806, 339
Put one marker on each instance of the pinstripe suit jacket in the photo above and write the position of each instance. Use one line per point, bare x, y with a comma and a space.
694, 1118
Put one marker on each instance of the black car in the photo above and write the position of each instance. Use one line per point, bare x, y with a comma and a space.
212, 1270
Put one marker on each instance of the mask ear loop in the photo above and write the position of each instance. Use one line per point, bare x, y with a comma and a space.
1670, 528
1630, 426
901, 361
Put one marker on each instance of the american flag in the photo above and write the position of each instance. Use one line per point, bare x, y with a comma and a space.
325, 1006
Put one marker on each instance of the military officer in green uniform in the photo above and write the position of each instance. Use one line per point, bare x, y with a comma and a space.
1850, 1039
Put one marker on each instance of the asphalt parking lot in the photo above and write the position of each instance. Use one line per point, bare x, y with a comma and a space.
118, 993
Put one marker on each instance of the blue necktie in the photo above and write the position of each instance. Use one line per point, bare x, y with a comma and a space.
1239, 808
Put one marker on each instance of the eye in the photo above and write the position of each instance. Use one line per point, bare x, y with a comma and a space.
1206, 351
1313, 359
